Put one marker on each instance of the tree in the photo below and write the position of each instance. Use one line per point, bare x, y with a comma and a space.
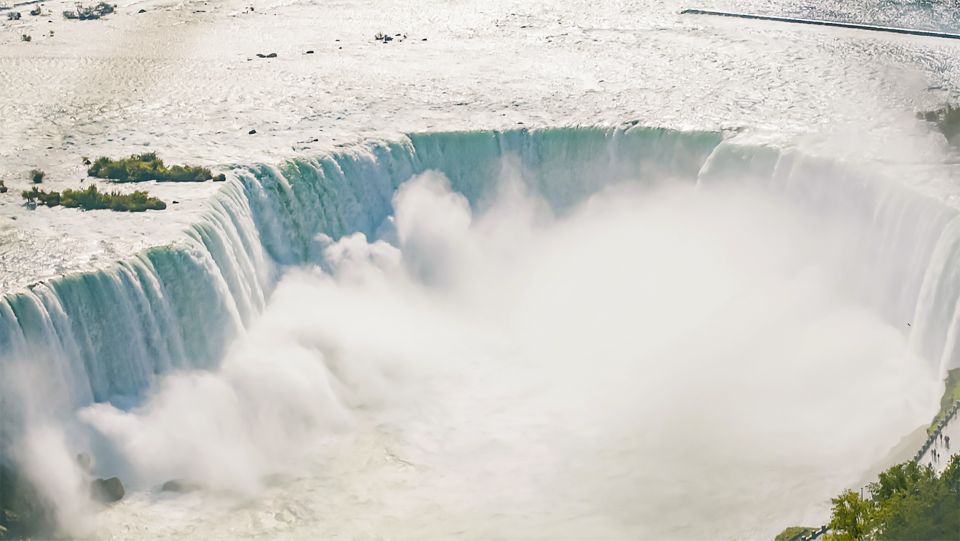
908, 502
852, 518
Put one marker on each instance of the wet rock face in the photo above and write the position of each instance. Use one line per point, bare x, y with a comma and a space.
23, 512
107, 490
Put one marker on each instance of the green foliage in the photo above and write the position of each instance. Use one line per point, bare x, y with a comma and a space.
89, 13
25, 37
794, 533
36, 176
951, 394
908, 502
142, 167
851, 517
93, 199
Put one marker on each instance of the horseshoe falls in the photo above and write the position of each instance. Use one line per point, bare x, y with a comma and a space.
602, 332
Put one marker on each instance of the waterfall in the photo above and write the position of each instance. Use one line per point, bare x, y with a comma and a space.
107, 335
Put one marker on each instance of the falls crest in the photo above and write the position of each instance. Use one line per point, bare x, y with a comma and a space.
106, 335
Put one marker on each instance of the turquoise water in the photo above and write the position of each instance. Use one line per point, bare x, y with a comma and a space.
110, 336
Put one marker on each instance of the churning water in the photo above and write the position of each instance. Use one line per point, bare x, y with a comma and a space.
561, 334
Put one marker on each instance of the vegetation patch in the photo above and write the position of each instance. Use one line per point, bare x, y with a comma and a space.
794, 533
93, 199
36, 176
947, 121
908, 501
89, 13
951, 394
143, 167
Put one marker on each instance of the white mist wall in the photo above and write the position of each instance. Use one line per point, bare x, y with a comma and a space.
105, 336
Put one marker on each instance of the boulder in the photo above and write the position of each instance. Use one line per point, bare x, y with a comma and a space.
180, 485
107, 490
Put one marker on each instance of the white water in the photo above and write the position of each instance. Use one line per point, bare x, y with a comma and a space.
667, 359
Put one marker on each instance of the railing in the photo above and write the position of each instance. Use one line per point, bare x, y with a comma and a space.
931, 439
823, 529
819, 22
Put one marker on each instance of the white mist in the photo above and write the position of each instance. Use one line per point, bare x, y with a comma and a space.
667, 362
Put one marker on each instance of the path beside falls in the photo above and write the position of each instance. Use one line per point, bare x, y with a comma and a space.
951, 429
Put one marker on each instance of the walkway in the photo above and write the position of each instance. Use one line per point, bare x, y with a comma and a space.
948, 427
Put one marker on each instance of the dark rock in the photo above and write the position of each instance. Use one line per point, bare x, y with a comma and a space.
252, 132
309, 52
175, 202
24, 513
220, 178
83, 460
106, 490
180, 485
142, 11
424, 39
269, 55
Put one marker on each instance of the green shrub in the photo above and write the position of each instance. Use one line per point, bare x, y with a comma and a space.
38, 196
93, 199
908, 501
951, 394
142, 167
36, 176
89, 13
794, 533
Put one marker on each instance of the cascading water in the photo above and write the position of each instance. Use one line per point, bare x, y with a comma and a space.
111, 336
